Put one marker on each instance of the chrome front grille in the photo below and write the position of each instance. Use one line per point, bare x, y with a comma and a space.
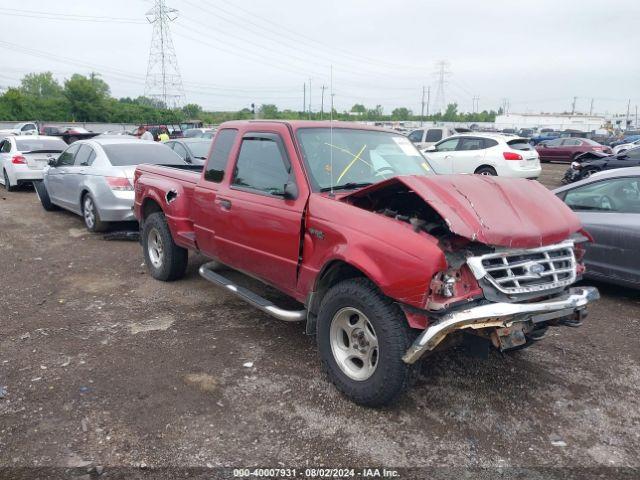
526, 271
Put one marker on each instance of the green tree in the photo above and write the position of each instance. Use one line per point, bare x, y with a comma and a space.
16, 105
192, 110
268, 110
40, 85
87, 98
451, 113
401, 113
359, 108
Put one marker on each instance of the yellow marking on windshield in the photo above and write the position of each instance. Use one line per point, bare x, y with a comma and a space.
425, 166
356, 157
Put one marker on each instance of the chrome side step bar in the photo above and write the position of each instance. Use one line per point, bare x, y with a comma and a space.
250, 297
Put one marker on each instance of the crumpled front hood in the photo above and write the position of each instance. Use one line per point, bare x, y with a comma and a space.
496, 211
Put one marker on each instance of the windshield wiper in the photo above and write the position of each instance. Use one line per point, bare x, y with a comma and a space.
347, 186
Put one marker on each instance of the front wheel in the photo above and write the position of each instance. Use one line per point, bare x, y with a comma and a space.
362, 336
43, 196
165, 260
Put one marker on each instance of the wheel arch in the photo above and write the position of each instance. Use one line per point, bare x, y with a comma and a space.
485, 165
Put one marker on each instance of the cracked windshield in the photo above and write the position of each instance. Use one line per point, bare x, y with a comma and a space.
345, 159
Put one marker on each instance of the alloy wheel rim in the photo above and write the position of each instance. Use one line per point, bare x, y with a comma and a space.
89, 212
155, 248
354, 344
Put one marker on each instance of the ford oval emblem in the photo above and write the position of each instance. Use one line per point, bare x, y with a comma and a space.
534, 268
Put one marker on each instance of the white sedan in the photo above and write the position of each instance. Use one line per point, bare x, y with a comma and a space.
22, 158
484, 154
626, 146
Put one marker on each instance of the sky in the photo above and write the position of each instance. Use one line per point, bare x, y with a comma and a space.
537, 56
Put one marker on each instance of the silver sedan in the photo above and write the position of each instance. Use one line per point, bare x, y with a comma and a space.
94, 178
608, 203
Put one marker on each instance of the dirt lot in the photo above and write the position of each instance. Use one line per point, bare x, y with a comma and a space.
104, 366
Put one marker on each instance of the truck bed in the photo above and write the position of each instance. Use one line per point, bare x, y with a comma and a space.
182, 173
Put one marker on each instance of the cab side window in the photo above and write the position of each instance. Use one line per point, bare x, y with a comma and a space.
6, 146
83, 156
469, 144
66, 157
180, 150
217, 163
448, 145
620, 195
416, 136
262, 165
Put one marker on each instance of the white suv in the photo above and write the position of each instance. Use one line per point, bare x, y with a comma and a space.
484, 154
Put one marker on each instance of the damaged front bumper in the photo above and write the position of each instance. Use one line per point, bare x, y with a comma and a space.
501, 315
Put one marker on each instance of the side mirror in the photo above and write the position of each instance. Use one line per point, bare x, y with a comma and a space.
52, 162
290, 190
431, 148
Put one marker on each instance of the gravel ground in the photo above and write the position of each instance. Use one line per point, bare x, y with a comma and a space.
100, 365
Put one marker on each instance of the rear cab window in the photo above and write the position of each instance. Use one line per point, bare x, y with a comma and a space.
416, 136
520, 144
433, 135
217, 162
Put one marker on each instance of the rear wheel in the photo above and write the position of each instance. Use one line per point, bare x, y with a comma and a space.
43, 196
362, 336
7, 183
91, 215
165, 260
487, 171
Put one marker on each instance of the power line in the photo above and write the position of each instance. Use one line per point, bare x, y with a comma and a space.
66, 16
163, 81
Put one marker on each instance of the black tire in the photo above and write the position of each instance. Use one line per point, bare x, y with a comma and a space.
391, 376
7, 183
487, 171
91, 216
43, 196
172, 263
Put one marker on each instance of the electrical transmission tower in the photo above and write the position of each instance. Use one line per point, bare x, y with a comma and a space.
443, 73
163, 83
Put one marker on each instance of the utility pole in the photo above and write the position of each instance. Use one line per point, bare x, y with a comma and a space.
428, 99
422, 108
304, 97
573, 106
163, 82
591, 108
628, 108
309, 99
322, 103
476, 104
636, 124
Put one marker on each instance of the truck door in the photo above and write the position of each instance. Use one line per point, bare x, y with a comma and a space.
205, 210
258, 225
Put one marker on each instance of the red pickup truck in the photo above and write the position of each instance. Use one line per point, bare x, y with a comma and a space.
387, 260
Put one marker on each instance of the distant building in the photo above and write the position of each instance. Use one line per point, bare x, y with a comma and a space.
584, 123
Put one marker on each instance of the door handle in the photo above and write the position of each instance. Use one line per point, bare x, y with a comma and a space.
224, 203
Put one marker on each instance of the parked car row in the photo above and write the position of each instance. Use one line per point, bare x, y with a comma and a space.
389, 256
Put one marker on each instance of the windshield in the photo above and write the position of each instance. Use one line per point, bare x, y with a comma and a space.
199, 149
39, 144
123, 154
360, 157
